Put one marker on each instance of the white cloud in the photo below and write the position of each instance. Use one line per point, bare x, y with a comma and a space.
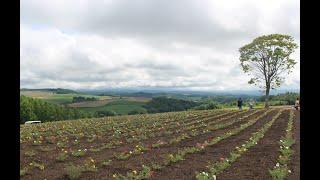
187, 44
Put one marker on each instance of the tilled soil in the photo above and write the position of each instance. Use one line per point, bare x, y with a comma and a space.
294, 164
197, 162
253, 164
56, 170
157, 155
257, 161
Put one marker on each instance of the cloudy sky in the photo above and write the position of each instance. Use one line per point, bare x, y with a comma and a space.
186, 44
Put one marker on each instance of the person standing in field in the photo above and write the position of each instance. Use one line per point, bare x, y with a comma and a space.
240, 103
297, 104
251, 102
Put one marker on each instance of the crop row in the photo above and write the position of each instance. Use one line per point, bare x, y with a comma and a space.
216, 168
113, 140
281, 169
139, 148
93, 126
180, 155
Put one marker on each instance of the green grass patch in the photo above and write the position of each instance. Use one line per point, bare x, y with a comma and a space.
121, 107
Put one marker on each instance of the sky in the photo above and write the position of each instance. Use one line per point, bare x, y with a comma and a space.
184, 44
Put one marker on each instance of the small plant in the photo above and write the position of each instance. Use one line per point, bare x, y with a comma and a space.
174, 158
145, 173
106, 162
278, 173
36, 142
73, 172
158, 144
91, 139
95, 149
90, 165
156, 166
23, 172
78, 153
30, 153
123, 155
139, 149
37, 165
46, 149
76, 141
62, 157
205, 176
61, 145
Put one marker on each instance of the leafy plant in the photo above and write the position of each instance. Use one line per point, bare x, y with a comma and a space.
73, 172
106, 162
78, 153
62, 157
30, 153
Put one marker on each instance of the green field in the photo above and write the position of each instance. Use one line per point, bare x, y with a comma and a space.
120, 107
65, 98
55, 98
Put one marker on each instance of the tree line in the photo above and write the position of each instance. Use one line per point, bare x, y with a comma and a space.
164, 104
288, 98
38, 110
77, 99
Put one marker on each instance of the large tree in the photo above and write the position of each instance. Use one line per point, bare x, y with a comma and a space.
267, 59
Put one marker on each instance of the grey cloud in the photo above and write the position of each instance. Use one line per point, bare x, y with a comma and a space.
152, 25
153, 22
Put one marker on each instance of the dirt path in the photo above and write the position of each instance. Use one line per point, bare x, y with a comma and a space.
294, 164
257, 161
197, 162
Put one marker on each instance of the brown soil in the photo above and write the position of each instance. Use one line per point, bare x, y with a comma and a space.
119, 166
186, 169
55, 169
257, 161
254, 164
158, 155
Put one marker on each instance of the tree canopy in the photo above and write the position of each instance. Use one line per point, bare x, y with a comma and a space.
36, 109
267, 59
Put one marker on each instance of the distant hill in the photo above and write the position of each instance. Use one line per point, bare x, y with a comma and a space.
155, 92
53, 90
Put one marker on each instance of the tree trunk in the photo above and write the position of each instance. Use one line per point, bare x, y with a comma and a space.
267, 97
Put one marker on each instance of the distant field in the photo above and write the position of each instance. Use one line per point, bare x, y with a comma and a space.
106, 100
91, 103
120, 107
100, 104
57, 98
138, 99
37, 94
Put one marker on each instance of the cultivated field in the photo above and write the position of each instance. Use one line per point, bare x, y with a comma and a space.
221, 144
104, 100
37, 94
58, 98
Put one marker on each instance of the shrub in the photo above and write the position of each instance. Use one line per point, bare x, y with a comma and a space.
211, 105
138, 111
73, 172
105, 113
